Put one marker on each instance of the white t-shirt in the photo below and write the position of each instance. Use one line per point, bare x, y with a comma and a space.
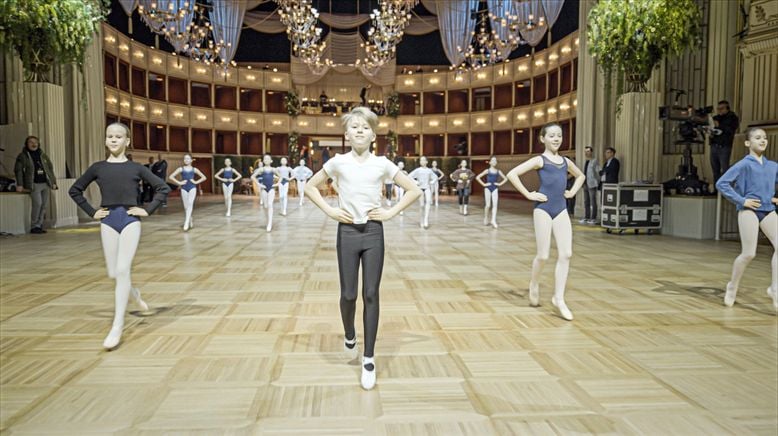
359, 184
302, 172
424, 177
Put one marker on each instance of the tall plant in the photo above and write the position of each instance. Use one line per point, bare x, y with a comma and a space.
632, 37
48, 32
292, 102
393, 105
294, 148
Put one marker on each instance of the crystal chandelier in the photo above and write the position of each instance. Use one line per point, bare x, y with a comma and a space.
300, 19
163, 20
487, 47
386, 32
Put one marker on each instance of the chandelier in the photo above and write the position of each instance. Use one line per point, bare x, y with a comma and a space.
386, 32
300, 19
165, 20
487, 46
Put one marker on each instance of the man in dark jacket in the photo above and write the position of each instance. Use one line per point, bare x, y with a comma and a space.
159, 169
726, 123
35, 174
610, 171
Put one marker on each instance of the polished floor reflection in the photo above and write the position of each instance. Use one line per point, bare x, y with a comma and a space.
244, 335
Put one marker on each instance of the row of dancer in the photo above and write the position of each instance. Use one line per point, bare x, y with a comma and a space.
359, 176
187, 177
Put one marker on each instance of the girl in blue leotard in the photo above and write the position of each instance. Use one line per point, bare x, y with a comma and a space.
750, 185
119, 215
550, 216
265, 177
494, 179
228, 176
190, 178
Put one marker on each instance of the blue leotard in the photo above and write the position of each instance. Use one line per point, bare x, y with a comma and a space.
118, 218
266, 179
227, 174
188, 176
553, 183
491, 181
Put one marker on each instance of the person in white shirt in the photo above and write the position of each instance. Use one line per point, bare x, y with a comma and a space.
285, 176
592, 171
359, 176
301, 173
425, 179
399, 191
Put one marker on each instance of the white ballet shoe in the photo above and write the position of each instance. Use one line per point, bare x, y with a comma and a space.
269, 228
402, 213
465, 210
494, 224
114, 337
228, 214
773, 293
534, 295
186, 226
368, 376
730, 295
353, 352
562, 309
135, 293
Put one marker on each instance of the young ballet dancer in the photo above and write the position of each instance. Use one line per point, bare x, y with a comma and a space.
463, 177
264, 177
750, 185
119, 212
359, 176
439, 176
228, 175
188, 186
426, 179
550, 214
301, 174
399, 191
285, 176
491, 189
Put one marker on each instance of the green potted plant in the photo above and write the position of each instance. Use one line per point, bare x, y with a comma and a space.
48, 32
633, 37
393, 105
391, 145
292, 102
294, 148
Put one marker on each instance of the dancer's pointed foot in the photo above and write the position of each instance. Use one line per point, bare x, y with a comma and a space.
368, 373
114, 337
730, 295
773, 293
561, 308
135, 293
534, 295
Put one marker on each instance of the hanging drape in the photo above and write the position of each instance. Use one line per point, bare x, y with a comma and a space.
421, 25
500, 9
265, 22
552, 9
456, 26
227, 19
343, 49
534, 7
128, 5
343, 21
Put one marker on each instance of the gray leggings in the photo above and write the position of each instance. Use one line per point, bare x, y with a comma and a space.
360, 243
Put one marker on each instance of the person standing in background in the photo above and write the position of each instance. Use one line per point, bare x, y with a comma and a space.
35, 174
726, 124
592, 171
159, 169
610, 172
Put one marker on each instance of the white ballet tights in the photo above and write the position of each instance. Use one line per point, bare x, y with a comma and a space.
749, 225
188, 198
227, 190
301, 190
435, 192
119, 250
424, 205
491, 199
269, 196
283, 195
562, 230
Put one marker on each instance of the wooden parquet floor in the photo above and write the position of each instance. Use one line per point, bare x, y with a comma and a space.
244, 335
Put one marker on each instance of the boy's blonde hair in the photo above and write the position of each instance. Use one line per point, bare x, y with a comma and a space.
364, 113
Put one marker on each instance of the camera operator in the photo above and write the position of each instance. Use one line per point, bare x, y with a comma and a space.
726, 124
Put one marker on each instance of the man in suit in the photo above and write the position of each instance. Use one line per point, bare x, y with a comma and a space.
610, 171
726, 123
592, 172
159, 169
